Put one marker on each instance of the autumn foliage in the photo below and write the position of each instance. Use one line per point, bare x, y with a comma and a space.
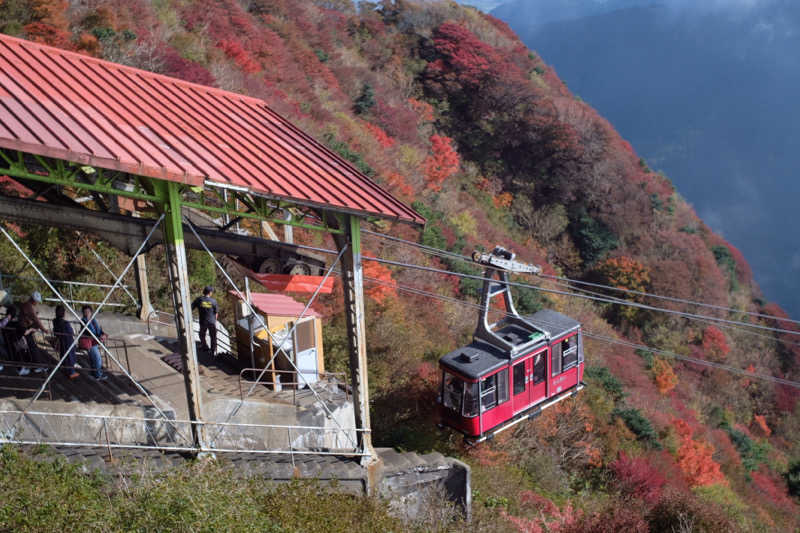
442, 163
664, 376
695, 458
491, 147
715, 345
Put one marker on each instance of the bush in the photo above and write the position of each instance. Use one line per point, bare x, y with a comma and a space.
606, 379
592, 237
639, 425
792, 477
680, 511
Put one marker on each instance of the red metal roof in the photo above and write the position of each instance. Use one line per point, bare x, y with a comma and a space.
278, 304
68, 106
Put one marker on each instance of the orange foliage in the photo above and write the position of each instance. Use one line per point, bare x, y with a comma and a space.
695, 459
664, 376
625, 273
760, 426
423, 109
379, 277
502, 200
398, 185
379, 135
50, 25
442, 163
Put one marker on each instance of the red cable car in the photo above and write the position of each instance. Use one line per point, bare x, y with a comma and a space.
515, 367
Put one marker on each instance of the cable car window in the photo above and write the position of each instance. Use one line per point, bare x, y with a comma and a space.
502, 386
453, 392
569, 349
471, 399
556, 358
519, 378
489, 393
539, 365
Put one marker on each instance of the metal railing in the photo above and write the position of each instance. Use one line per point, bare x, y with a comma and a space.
335, 379
113, 431
70, 288
162, 318
118, 347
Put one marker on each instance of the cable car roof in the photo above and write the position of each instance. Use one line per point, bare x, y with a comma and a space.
480, 358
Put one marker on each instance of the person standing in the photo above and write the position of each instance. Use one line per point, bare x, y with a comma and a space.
206, 307
89, 344
65, 337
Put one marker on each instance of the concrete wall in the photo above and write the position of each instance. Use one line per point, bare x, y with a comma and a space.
259, 412
91, 429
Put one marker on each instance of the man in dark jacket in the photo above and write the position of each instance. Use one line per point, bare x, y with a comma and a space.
207, 313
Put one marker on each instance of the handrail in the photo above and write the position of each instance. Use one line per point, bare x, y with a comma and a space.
342, 376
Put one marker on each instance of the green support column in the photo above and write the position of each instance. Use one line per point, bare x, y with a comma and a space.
353, 286
179, 276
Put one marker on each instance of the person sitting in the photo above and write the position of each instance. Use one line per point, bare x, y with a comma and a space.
6, 350
65, 338
16, 335
89, 343
29, 320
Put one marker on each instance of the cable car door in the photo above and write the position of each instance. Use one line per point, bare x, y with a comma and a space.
538, 381
520, 383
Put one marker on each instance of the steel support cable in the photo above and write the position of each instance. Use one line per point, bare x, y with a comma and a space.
588, 297
720, 366
269, 333
707, 321
614, 300
444, 253
603, 299
85, 328
108, 269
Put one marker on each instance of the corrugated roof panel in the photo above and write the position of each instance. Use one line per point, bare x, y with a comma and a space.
278, 304
68, 106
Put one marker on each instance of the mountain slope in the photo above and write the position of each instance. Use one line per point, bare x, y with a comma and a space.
706, 95
448, 109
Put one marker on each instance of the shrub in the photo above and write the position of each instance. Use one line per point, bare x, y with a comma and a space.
365, 101
637, 478
639, 425
593, 238
664, 376
680, 511
792, 477
606, 380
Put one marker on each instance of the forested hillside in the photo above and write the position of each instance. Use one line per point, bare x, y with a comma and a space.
671, 78
446, 108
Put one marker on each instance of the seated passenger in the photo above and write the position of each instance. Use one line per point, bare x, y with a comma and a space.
89, 344
29, 320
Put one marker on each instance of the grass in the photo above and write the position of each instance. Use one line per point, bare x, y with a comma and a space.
43, 493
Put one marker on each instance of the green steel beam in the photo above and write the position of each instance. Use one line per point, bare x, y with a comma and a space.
59, 172
256, 215
76, 176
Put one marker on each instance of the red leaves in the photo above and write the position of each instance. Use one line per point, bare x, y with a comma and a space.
468, 57
379, 135
442, 163
234, 50
715, 345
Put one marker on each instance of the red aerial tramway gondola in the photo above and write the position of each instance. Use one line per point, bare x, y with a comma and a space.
513, 368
